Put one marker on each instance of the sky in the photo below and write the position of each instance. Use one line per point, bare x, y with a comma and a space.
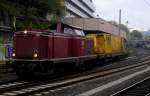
136, 12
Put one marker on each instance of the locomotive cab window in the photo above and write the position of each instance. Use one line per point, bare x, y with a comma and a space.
68, 31
79, 32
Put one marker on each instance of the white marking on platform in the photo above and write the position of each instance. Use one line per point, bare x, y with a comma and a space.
31, 88
26, 90
113, 83
145, 58
45, 92
41, 87
9, 94
131, 57
38, 94
1, 87
5, 85
18, 92
59, 89
148, 94
11, 84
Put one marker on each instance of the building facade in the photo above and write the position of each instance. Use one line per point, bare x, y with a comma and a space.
79, 8
5, 27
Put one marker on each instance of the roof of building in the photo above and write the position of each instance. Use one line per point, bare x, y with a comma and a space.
54, 26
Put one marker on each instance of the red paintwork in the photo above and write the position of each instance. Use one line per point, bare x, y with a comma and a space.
25, 44
51, 45
89, 46
59, 28
78, 46
43, 47
61, 45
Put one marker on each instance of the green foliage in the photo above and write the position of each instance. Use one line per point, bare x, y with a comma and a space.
23, 24
32, 10
135, 34
10, 7
122, 26
147, 37
1, 40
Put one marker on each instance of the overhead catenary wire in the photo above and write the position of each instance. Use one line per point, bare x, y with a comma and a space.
147, 2
136, 18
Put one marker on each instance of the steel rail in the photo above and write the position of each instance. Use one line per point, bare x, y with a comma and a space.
48, 86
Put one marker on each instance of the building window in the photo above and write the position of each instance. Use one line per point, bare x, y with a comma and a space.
1, 18
5, 19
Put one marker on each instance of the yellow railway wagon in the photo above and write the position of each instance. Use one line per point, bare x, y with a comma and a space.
93, 36
119, 44
124, 45
108, 44
102, 43
114, 44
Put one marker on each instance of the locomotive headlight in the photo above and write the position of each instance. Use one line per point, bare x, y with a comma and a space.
13, 54
25, 31
35, 55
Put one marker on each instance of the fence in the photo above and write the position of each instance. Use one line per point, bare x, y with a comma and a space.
5, 57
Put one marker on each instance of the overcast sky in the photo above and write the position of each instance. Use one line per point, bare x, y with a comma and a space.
136, 12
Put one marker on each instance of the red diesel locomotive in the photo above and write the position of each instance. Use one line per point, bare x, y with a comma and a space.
42, 52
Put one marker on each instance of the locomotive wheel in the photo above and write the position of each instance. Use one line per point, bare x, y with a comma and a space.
40, 70
21, 71
25, 70
43, 70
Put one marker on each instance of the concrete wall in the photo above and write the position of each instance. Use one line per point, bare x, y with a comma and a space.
95, 24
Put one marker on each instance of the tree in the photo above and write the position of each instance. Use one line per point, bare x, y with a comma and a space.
122, 26
32, 11
135, 34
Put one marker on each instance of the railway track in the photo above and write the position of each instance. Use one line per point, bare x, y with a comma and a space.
17, 86
141, 88
27, 88
131, 59
6, 68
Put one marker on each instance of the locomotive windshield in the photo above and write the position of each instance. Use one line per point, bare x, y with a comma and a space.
73, 31
79, 32
68, 31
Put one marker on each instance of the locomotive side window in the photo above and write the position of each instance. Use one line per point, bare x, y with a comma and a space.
68, 31
79, 32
